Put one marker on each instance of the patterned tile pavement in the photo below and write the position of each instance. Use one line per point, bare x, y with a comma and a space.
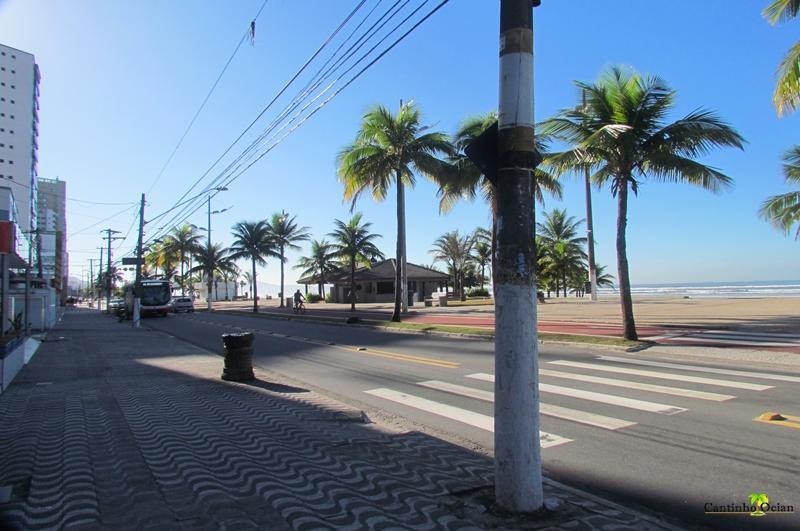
114, 428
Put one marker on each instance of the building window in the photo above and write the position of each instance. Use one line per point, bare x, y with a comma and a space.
385, 288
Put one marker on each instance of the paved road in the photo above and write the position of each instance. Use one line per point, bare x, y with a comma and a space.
480, 317
668, 436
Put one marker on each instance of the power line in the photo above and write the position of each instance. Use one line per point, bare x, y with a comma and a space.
295, 102
205, 100
81, 231
274, 99
338, 91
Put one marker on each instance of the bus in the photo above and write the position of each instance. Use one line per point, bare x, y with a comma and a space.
156, 295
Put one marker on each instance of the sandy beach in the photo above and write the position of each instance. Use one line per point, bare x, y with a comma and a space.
768, 314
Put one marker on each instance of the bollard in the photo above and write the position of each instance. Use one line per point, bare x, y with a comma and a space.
238, 357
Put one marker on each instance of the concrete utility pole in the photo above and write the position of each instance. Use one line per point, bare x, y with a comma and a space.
110, 238
99, 285
137, 299
589, 229
403, 265
518, 464
91, 282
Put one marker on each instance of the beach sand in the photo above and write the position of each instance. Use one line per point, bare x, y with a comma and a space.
765, 314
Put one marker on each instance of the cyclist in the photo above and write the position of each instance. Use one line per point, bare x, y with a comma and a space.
298, 301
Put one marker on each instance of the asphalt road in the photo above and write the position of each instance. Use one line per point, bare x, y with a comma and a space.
668, 438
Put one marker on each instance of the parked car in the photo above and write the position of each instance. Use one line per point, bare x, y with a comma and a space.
115, 304
182, 304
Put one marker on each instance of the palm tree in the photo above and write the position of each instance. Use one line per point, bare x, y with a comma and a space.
621, 135
783, 210
248, 277
454, 250
252, 240
483, 257
320, 263
230, 271
354, 245
388, 150
285, 234
563, 251
604, 280
787, 90
209, 260
463, 180
183, 241
162, 257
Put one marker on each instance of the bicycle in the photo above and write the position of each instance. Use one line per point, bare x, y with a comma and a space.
299, 308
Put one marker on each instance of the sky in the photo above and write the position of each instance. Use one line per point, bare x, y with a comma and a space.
121, 81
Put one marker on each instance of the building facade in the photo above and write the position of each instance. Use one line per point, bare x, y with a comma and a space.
51, 254
19, 130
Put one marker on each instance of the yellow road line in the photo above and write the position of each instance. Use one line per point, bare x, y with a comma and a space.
380, 353
790, 422
363, 350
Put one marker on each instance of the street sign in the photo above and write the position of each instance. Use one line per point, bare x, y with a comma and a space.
130, 261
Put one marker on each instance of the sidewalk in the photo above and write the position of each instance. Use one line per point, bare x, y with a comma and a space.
109, 427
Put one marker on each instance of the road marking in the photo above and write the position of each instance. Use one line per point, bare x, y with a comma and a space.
583, 417
375, 352
695, 368
484, 422
632, 403
720, 340
627, 384
790, 422
662, 375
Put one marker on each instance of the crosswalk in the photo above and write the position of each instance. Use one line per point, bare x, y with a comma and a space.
636, 388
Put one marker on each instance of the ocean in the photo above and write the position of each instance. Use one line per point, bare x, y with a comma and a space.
739, 289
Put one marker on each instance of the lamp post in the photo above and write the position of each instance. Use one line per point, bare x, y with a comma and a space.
211, 273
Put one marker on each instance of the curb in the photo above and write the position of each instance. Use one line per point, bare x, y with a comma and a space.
365, 323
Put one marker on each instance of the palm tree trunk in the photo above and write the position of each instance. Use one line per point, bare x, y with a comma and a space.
401, 240
283, 295
353, 282
183, 280
628, 324
254, 286
209, 284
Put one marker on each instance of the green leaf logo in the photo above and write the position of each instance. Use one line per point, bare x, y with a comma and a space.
758, 499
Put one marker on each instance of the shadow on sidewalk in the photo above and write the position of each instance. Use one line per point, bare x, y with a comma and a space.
119, 428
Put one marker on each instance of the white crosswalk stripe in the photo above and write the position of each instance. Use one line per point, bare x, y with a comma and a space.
484, 422
583, 417
632, 403
712, 370
611, 364
662, 375
628, 384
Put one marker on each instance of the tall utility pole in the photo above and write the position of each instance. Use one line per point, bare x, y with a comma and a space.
110, 238
401, 226
100, 286
589, 228
137, 299
91, 282
209, 221
518, 464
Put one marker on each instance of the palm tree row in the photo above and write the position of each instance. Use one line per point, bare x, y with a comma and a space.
783, 210
618, 131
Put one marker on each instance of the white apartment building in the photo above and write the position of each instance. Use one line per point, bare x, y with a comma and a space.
52, 221
19, 130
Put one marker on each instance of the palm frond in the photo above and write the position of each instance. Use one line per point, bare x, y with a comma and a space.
787, 88
781, 11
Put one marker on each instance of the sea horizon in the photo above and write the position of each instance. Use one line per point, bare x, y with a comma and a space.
715, 289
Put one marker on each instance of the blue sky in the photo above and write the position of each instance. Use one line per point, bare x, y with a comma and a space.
121, 80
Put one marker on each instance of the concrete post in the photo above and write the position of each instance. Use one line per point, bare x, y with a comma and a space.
518, 466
